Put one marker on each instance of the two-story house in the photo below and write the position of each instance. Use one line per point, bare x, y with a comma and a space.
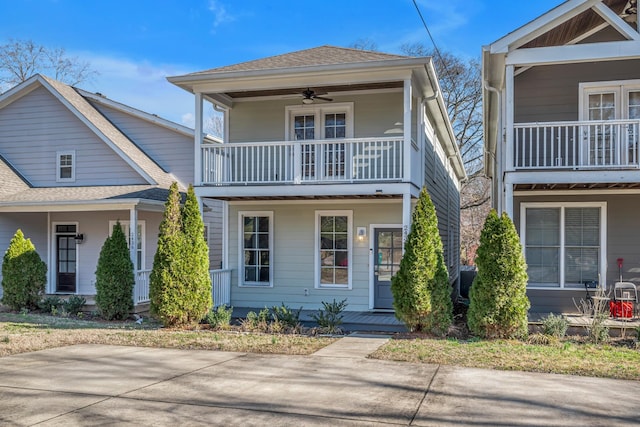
562, 125
72, 163
325, 151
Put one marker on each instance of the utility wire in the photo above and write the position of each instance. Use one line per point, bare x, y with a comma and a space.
433, 42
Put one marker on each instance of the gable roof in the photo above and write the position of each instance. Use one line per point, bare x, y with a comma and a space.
12, 181
322, 55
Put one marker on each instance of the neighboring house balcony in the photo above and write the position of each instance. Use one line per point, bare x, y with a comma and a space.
580, 145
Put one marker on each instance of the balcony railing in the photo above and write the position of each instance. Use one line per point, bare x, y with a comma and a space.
577, 145
309, 161
221, 287
141, 287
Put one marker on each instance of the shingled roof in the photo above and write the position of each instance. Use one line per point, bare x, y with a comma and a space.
322, 55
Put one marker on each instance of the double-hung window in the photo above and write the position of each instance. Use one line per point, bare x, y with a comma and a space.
564, 243
333, 249
65, 166
256, 248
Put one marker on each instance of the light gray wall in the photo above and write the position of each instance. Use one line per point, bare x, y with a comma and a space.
550, 92
294, 233
213, 217
375, 115
623, 235
171, 150
37, 125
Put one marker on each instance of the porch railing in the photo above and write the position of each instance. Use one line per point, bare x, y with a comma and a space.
221, 287
141, 287
308, 161
577, 145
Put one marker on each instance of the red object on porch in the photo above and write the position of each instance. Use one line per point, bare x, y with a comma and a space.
622, 309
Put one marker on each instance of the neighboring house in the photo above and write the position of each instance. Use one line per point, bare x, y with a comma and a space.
324, 154
72, 163
562, 121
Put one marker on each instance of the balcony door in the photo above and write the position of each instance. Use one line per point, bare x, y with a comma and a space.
615, 143
325, 158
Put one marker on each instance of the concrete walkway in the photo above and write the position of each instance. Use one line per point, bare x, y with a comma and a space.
93, 385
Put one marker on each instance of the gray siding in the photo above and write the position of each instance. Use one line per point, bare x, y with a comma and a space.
171, 150
34, 127
294, 234
550, 93
623, 235
212, 216
375, 115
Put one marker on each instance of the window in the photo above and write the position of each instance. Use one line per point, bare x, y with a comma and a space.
140, 250
66, 171
327, 160
333, 249
256, 248
564, 243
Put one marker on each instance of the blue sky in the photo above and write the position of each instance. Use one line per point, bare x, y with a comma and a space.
135, 44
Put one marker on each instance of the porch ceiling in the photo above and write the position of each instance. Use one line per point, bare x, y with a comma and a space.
578, 186
339, 197
318, 89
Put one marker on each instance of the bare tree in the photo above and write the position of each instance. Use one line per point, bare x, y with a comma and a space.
20, 59
364, 44
461, 84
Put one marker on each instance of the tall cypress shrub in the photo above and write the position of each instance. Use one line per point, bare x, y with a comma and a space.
498, 297
197, 280
24, 274
421, 290
166, 289
114, 277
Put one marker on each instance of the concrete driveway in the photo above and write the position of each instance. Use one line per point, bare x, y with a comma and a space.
111, 385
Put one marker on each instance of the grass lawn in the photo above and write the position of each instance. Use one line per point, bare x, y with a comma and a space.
570, 356
20, 333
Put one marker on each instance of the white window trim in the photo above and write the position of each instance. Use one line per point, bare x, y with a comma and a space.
127, 235
59, 154
316, 252
603, 236
319, 111
241, 282
621, 88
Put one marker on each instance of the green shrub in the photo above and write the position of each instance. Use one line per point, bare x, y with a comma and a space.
114, 277
421, 290
498, 299
180, 286
24, 274
329, 318
220, 317
257, 322
50, 304
555, 326
285, 315
74, 304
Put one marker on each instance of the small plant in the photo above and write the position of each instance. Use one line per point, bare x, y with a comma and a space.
284, 314
555, 326
74, 304
48, 304
542, 339
329, 318
220, 317
256, 322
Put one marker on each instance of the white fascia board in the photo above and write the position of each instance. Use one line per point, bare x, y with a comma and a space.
591, 52
572, 177
303, 190
83, 206
20, 90
137, 113
616, 22
541, 25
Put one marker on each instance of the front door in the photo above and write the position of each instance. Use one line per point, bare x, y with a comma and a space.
66, 258
387, 252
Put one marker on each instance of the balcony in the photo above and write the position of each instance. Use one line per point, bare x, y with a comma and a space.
586, 145
300, 162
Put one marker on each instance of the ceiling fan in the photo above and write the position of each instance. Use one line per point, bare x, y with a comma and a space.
308, 96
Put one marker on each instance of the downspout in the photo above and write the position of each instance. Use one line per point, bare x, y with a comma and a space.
498, 153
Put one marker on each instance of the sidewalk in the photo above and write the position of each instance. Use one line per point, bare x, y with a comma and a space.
112, 385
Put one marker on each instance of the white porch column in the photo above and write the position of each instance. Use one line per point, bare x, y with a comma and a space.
407, 130
133, 237
406, 216
507, 205
197, 145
